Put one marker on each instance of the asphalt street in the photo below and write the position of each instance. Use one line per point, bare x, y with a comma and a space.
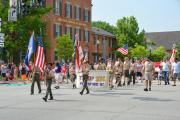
124, 103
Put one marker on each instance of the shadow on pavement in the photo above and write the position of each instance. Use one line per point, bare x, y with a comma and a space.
58, 100
152, 99
110, 94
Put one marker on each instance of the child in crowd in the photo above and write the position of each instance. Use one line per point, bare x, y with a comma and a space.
160, 75
23, 73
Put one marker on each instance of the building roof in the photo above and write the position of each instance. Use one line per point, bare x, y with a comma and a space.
99, 31
166, 39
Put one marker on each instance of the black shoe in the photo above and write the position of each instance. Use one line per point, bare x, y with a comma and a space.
81, 93
57, 87
50, 99
39, 91
44, 99
149, 89
87, 93
145, 89
124, 84
31, 93
74, 86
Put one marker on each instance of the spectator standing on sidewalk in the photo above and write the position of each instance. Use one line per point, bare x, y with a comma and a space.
175, 70
58, 75
165, 68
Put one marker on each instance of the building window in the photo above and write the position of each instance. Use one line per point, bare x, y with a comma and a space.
57, 7
68, 31
95, 39
104, 42
110, 43
57, 30
68, 10
86, 35
86, 15
77, 12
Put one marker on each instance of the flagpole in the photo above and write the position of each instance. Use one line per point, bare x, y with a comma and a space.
34, 53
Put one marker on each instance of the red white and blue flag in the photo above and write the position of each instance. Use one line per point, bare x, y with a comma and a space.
40, 57
78, 53
124, 50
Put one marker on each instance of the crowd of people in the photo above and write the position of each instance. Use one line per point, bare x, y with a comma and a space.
129, 71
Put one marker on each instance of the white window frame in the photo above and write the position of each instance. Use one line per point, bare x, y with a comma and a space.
86, 35
68, 9
57, 7
57, 29
86, 15
77, 12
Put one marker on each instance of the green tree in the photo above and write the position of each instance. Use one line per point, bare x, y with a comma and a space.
128, 32
17, 33
105, 26
159, 53
138, 51
178, 50
64, 47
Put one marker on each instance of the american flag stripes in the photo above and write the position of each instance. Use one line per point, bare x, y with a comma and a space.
124, 50
78, 53
40, 57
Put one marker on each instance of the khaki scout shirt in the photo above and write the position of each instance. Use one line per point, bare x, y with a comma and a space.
85, 69
126, 65
148, 66
101, 66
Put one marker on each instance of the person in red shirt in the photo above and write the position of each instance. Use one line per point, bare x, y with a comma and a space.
64, 72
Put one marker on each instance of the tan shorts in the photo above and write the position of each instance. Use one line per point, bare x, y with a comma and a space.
148, 76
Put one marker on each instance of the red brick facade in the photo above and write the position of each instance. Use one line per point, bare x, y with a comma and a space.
68, 17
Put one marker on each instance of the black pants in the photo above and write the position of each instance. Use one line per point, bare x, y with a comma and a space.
36, 78
118, 79
49, 91
133, 76
85, 86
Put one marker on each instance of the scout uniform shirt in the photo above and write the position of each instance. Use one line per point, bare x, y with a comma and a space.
85, 69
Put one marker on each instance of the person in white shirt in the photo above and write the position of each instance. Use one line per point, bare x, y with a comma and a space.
165, 68
175, 71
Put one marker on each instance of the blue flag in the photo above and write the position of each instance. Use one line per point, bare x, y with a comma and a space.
31, 49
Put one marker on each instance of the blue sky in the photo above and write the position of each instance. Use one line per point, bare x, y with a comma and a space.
152, 15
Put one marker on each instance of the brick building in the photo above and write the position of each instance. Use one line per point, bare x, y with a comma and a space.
74, 16
102, 44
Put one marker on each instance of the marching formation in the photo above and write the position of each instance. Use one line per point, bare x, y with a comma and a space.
121, 72
129, 71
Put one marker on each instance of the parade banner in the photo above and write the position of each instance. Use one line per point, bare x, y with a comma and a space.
97, 79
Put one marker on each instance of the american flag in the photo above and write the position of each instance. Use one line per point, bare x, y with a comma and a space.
78, 53
124, 50
40, 57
